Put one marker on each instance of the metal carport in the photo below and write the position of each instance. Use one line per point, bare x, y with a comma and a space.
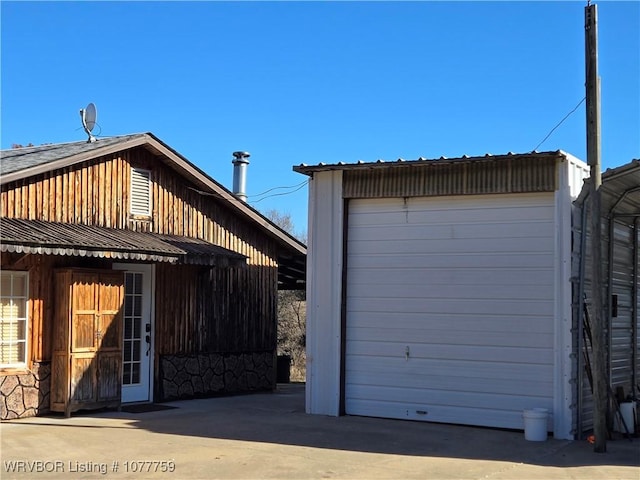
620, 207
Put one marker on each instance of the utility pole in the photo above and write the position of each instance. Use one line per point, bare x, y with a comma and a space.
600, 377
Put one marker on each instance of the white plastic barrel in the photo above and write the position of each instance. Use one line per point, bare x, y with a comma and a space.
535, 424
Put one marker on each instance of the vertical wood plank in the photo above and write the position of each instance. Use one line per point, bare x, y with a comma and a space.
24, 194
4, 203
58, 205
84, 196
126, 188
108, 167
12, 203
68, 196
40, 205
101, 194
118, 200
95, 192
45, 199
113, 206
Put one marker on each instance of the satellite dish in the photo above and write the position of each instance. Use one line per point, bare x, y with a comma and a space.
89, 116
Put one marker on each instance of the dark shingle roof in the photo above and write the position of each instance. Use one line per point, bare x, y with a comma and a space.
18, 159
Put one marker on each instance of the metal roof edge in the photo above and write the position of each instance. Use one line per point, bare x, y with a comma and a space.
310, 169
610, 173
573, 159
607, 176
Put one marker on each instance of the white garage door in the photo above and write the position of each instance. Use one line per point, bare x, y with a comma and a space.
450, 307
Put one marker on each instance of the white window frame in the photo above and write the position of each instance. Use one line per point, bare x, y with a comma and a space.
132, 207
9, 300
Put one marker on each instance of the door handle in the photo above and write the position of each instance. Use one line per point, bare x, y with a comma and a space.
148, 339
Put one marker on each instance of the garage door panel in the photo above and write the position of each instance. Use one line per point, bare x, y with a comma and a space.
450, 337
430, 397
455, 245
392, 212
439, 260
521, 323
440, 290
463, 306
467, 285
415, 373
498, 354
462, 384
455, 276
525, 229
441, 414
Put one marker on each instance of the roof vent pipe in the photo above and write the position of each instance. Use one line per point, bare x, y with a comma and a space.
240, 162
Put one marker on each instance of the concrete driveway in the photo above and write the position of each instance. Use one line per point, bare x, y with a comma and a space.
270, 436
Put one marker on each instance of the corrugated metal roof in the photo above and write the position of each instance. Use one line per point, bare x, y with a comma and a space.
620, 190
51, 238
400, 162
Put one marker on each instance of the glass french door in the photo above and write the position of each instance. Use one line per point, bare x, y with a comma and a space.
137, 334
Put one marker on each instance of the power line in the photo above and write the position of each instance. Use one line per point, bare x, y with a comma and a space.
276, 188
283, 193
560, 123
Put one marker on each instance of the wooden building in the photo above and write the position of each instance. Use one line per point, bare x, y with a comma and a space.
130, 275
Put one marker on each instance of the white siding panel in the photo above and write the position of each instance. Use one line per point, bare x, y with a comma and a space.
324, 294
450, 308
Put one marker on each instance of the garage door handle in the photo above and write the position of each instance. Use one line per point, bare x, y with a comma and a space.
406, 353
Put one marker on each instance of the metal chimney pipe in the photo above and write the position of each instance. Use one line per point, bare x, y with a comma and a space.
240, 162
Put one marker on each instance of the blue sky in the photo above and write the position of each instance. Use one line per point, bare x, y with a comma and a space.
310, 82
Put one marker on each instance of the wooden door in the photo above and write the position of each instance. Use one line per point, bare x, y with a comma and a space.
109, 333
84, 338
86, 366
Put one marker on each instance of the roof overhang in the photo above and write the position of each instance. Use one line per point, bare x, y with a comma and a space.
490, 174
292, 272
620, 192
52, 238
424, 162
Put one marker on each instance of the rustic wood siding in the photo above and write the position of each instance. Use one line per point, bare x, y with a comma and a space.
197, 310
89, 193
97, 192
215, 310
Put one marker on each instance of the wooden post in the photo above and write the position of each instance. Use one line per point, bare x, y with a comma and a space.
600, 377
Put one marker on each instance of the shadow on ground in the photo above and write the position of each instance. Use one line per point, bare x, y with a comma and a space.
280, 418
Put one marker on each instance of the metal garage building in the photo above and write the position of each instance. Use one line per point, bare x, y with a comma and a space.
441, 290
621, 262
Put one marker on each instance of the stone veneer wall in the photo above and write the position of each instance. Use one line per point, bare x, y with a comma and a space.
27, 394
188, 376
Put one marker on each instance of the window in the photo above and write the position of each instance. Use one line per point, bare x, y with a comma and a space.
13, 319
140, 192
